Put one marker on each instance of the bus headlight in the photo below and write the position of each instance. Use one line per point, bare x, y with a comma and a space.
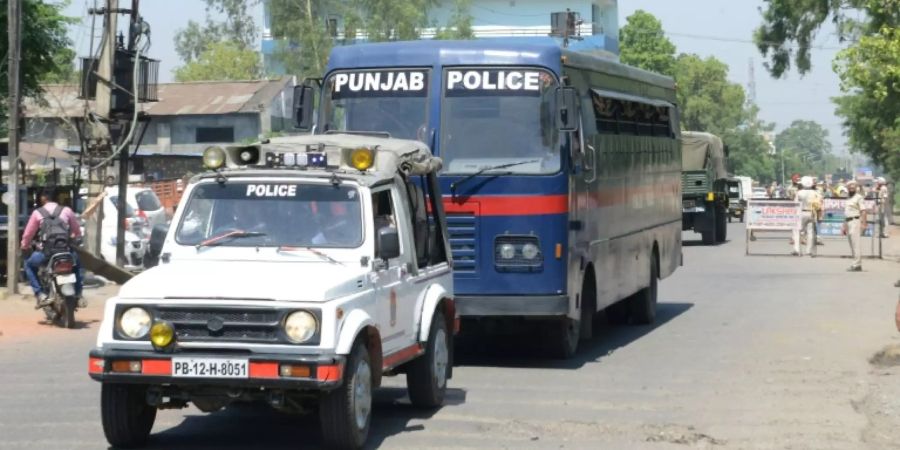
530, 251
300, 326
134, 323
507, 251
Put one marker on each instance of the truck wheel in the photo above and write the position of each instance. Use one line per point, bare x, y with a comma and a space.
564, 336
642, 305
709, 236
345, 412
721, 225
127, 418
426, 376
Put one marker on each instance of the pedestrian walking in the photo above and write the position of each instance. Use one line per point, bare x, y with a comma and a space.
810, 205
854, 223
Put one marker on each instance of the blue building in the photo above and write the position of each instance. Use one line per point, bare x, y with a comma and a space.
599, 30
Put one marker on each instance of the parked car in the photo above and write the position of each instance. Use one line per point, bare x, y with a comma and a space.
145, 203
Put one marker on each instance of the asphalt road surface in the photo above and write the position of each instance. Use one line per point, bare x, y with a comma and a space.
748, 352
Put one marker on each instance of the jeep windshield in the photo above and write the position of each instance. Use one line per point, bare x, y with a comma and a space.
272, 214
391, 101
499, 117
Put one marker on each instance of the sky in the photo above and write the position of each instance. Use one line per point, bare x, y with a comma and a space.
706, 27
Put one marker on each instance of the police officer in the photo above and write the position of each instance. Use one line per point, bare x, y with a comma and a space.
883, 194
810, 203
855, 223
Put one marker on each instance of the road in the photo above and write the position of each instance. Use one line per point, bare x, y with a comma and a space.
748, 352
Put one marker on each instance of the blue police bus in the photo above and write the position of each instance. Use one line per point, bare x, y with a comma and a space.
561, 170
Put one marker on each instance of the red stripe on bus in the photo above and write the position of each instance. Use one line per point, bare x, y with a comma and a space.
402, 355
508, 205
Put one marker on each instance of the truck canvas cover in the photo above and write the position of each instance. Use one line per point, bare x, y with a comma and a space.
702, 150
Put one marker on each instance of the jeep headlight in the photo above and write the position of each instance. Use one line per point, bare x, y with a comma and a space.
300, 326
135, 322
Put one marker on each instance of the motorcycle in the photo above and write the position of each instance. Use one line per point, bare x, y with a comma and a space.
57, 276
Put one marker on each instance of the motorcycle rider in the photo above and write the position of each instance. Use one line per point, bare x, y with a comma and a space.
38, 257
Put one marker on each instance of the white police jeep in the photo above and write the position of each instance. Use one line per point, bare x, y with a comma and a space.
297, 272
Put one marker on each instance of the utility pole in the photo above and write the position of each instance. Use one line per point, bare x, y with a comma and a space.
133, 33
101, 136
14, 16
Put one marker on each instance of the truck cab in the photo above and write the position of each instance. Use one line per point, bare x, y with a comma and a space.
297, 272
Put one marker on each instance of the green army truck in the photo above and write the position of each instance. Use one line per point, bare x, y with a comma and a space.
704, 196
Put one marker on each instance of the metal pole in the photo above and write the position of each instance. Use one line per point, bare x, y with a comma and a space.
14, 16
124, 153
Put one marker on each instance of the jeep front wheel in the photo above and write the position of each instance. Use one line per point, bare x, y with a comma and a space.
126, 416
345, 412
426, 377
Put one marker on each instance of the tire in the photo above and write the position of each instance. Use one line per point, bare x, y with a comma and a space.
426, 376
127, 418
588, 307
564, 337
710, 219
346, 412
721, 225
642, 305
67, 317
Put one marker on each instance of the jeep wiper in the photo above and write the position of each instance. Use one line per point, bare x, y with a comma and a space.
233, 234
287, 248
488, 169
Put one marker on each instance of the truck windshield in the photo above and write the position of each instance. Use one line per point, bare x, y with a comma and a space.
392, 101
272, 214
495, 116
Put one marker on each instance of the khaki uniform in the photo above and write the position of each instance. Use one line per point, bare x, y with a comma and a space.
883, 197
853, 211
810, 203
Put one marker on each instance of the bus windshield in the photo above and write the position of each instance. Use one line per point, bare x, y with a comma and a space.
391, 101
498, 117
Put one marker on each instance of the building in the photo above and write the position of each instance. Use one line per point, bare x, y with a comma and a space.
187, 118
599, 29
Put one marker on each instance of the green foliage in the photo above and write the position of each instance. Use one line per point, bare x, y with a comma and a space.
708, 101
460, 24
789, 27
749, 152
643, 44
222, 61
46, 56
306, 41
237, 27
870, 75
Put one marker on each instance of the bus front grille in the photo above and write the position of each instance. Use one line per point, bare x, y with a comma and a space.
463, 237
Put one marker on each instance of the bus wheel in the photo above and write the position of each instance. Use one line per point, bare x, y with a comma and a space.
642, 307
588, 307
564, 335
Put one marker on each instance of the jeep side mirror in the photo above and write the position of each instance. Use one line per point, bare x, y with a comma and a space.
157, 238
567, 104
388, 243
303, 107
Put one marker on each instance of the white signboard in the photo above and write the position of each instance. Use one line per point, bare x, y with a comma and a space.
773, 215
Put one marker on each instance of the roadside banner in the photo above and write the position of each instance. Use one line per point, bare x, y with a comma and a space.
833, 217
773, 215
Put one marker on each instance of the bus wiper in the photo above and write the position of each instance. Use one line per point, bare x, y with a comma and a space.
233, 234
488, 169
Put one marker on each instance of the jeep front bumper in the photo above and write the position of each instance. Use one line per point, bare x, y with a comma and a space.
325, 372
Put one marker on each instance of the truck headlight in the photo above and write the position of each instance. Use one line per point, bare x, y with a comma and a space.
134, 323
300, 326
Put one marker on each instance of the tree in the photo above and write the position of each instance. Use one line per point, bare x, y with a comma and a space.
789, 27
305, 40
643, 44
460, 24
806, 144
238, 27
708, 101
749, 151
222, 61
46, 55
